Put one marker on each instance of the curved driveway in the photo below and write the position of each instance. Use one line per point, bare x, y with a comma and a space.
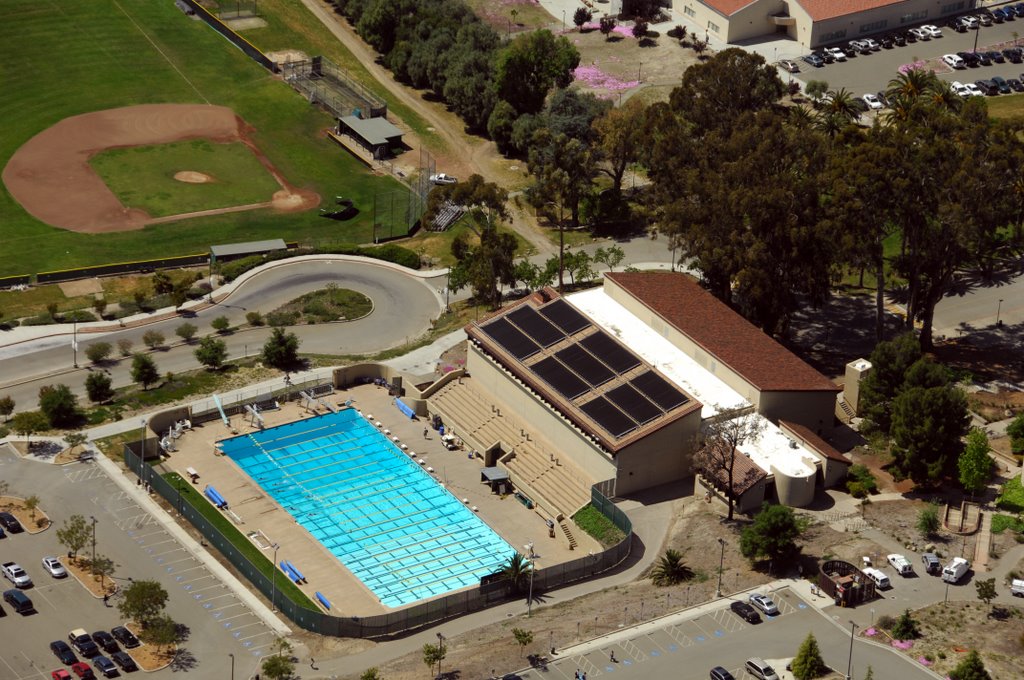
404, 303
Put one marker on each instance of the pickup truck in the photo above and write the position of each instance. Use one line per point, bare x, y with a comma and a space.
901, 564
82, 641
16, 575
441, 178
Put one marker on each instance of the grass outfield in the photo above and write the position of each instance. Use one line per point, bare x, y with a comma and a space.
143, 176
64, 58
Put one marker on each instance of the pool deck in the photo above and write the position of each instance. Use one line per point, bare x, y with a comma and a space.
323, 571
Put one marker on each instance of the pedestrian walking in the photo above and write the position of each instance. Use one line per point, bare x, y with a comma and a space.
612, 657
577, 675
425, 430
312, 663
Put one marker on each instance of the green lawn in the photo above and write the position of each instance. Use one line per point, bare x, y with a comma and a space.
1011, 106
1012, 496
597, 525
259, 559
66, 58
143, 176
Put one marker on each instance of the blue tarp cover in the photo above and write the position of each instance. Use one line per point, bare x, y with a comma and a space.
404, 408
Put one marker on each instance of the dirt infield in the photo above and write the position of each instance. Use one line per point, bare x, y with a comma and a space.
51, 178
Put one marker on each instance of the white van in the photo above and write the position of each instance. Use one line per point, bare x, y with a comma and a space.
760, 670
1017, 587
880, 579
955, 570
901, 564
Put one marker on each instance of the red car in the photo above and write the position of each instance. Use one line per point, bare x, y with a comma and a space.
83, 671
60, 674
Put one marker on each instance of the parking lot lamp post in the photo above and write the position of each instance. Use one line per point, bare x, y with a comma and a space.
976, 34
74, 341
529, 597
946, 598
721, 563
93, 541
849, 661
232, 666
273, 580
999, 308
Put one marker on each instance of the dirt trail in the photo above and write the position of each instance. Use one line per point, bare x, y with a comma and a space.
464, 155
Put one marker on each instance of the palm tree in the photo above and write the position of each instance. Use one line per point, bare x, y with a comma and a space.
670, 569
841, 102
517, 572
913, 84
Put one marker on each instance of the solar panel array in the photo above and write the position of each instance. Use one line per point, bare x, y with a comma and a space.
584, 365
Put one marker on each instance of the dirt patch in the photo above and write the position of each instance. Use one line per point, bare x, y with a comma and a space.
877, 464
993, 406
81, 287
950, 630
192, 177
294, 200
32, 522
285, 56
899, 519
150, 657
97, 586
245, 23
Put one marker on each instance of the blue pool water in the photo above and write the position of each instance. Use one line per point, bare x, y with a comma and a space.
372, 506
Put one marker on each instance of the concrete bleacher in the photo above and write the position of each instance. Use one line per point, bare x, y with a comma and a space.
555, 484
447, 216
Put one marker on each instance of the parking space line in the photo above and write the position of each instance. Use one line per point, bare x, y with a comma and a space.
634, 651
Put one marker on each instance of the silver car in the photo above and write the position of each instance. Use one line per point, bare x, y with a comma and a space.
764, 603
54, 567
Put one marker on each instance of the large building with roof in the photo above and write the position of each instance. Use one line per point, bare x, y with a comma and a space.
811, 22
613, 385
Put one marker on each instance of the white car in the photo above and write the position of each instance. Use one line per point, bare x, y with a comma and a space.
764, 603
973, 90
954, 61
921, 34
441, 178
970, 21
53, 565
836, 53
872, 45
933, 31
872, 101
959, 89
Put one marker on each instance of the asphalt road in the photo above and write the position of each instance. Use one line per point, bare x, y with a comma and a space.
687, 649
217, 623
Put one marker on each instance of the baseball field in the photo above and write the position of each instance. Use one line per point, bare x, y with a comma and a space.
207, 130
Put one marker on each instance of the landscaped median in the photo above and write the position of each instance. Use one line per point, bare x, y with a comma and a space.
190, 495
27, 511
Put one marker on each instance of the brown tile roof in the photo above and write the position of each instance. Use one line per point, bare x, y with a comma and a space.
814, 441
727, 7
820, 10
745, 474
721, 332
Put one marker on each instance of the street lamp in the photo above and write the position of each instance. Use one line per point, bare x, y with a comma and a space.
93, 541
440, 647
273, 582
849, 661
531, 557
232, 666
74, 340
721, 563
999, 308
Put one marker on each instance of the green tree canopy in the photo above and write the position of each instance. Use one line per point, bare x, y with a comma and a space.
6, 406
928, 520
186, 331
98, 352
975, 464
528, 67
715, 93
281, 350
153, 339
928, 424
808, 664
211, 352
98, 387
142, 601
144, 370
433, 654
1015, 431
971, 668
60, 406
485, 264
517, 572
890, 361
905, 627
670, 569
28, 423
523, 638
986, 589
772, 536
74, 534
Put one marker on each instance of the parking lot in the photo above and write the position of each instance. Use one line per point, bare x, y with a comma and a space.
870, 73
687, 645
217, 623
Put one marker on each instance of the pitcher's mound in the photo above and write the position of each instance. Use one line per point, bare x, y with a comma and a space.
294, 200
192, 177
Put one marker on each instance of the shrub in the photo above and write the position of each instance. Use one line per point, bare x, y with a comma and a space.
860, 481
124, 346
220, 324
278, 319
1012, 496
186, 331
153, 339
99, 352
254, 318
78, 316
886, 622
928, 519
905, 627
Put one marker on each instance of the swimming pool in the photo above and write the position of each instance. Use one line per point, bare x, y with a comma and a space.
373, 507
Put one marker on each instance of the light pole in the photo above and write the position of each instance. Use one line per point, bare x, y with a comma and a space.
529, 599
849, 661
440, 647
74, 340
273, 580
232, 666
946, 598
93, 519
721, 563
999, 308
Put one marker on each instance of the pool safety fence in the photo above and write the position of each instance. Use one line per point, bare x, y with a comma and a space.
305, 614
265, 398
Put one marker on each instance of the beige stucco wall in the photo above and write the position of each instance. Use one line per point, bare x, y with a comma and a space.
873, 22
537, 416
347, 376
663, 456
816, 410
796, 491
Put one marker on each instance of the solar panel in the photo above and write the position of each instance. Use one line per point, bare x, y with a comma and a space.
584, 363
633, 403
565, 316
602, 346
659, 390
612, 420
565, 382
511, 339
536, 326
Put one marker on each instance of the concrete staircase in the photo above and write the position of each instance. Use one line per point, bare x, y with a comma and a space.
556, 485
844, 411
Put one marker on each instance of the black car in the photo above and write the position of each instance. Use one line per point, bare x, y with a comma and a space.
983, 58
1013, 55
997, 57
105, 666
998, 16
745, 612
125, 637
909, 37
886, 42
1019, 9
814, 60
126, 662
63, 652
988, 87
719, 673
106, 641
1015, 84
1004, 87
958, 25
899, 39
10, 522
970, 58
